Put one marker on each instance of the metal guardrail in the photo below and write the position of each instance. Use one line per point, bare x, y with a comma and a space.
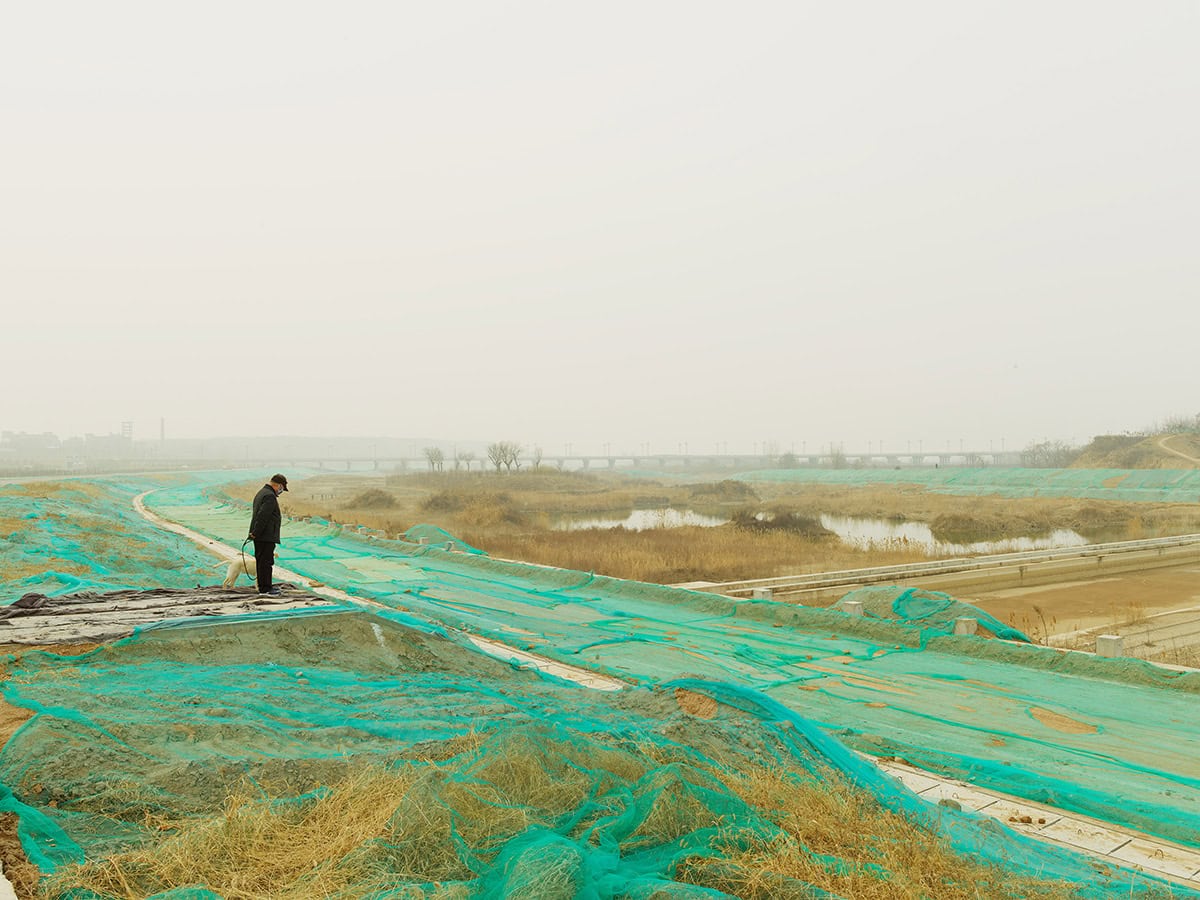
951, 566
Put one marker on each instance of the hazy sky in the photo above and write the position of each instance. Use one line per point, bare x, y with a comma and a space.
601, 222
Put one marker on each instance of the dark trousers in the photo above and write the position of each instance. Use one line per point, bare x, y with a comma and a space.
264, 561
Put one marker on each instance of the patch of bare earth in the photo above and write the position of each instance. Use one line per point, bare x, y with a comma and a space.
699, 705
20, 872
1062, 723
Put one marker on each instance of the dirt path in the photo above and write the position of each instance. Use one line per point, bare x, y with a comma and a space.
1162, 442
1076, 605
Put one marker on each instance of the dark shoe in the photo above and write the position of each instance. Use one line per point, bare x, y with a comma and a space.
273, 592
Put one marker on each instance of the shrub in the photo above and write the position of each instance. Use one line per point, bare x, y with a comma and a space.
372, 498
781, 520
443, 501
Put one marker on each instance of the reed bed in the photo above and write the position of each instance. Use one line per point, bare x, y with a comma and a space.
686, 554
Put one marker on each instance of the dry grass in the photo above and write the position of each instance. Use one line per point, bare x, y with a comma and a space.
675, 555
383, 829
882, 855
260, 849
41, 565
1181, 656
1036, 623
75, 513
44, 490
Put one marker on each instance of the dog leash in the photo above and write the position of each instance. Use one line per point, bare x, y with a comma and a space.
245, 566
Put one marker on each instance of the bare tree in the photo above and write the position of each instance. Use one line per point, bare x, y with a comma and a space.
435, 457
1179, 425
464, 458
512, 454
506, 454
496, 453
1048, 455
537, 457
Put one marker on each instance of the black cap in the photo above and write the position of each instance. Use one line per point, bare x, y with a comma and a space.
279, 479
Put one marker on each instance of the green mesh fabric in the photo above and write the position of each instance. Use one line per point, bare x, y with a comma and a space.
1120, 728
933, 612
433, 536
175, 719
76, 534
1148, 485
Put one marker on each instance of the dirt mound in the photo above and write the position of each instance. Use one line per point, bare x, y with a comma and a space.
1139, 451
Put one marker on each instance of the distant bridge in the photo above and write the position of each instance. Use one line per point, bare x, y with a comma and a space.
667, 461
574, 461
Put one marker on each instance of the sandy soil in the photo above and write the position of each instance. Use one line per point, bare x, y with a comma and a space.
1075, 605
11, 718
20, 872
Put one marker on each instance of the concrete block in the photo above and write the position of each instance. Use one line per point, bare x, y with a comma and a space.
853, 607
957, 796
761, 594
966, 625
423, 540
1155, 856
1085, 835
1110, 645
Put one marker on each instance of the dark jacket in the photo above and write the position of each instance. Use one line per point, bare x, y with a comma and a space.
266, 518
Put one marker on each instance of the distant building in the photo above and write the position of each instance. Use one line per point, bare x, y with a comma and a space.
109, 446
20, 447
21, 442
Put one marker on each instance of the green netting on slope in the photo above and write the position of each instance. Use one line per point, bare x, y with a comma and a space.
1095, 734
433, 535
931, 611
504, 784
76, 534
1141, 485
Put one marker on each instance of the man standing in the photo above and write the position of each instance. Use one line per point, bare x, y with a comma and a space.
265, 520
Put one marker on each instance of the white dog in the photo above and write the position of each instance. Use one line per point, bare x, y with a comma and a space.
241, 565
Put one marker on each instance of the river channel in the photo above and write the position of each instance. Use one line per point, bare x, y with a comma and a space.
859, 532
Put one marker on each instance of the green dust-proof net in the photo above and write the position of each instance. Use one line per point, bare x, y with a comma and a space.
1139, 485
930, 613
77, 535
560, 791
135, 738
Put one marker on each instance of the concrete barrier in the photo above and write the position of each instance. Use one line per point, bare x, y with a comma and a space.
966, 625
